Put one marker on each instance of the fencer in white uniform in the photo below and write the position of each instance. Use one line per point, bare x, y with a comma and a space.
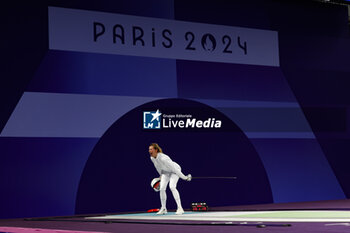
169, 171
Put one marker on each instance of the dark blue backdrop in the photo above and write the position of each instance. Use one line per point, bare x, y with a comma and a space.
119, 170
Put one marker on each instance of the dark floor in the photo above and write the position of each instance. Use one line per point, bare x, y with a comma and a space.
147, 227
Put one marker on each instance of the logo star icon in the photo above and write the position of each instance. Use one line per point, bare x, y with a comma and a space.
156, 115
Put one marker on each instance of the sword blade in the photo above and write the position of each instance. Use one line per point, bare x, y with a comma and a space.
215, 177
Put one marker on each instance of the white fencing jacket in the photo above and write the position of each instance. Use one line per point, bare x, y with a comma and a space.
165, 165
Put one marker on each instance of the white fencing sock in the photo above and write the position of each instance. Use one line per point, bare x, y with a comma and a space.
177, 197
163, 199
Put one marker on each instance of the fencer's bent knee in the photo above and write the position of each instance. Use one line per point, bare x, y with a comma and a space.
172, 187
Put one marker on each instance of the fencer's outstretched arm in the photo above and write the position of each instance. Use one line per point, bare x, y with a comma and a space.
170, 164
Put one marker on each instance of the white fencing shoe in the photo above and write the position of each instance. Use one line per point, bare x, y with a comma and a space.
180, 211
162, 211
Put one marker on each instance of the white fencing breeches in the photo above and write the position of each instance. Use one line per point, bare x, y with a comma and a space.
164, 180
